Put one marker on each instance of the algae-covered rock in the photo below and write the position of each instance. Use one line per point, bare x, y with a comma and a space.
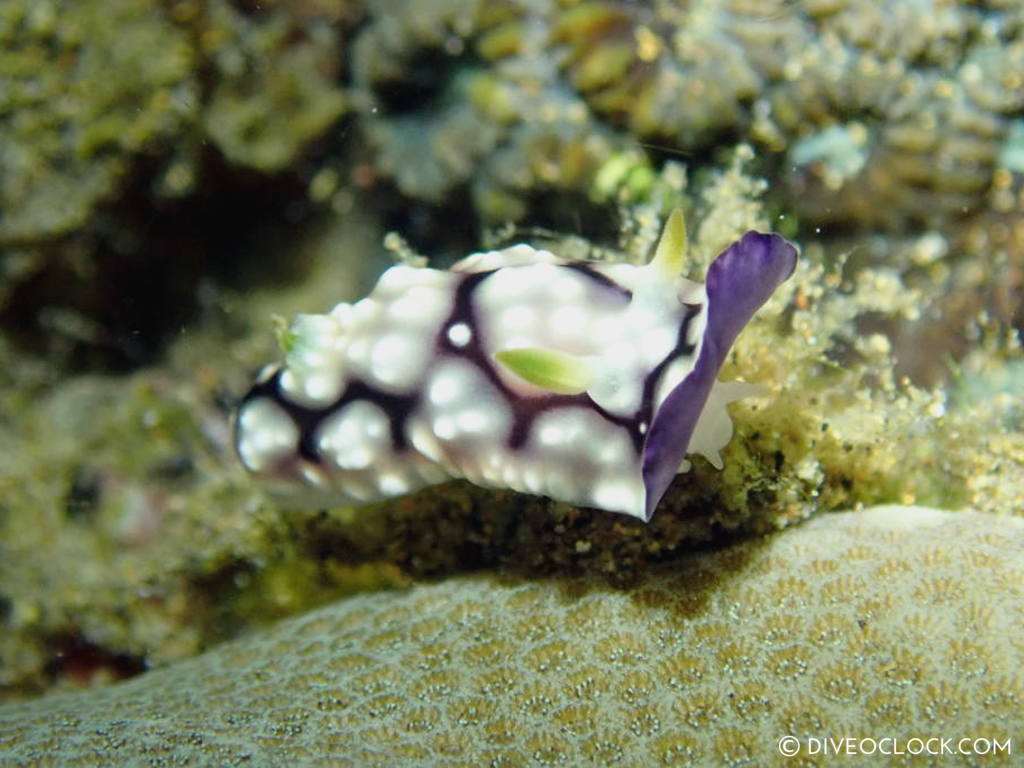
277, 83
135, 138
894, 622
128, 530
86, 87
93, 88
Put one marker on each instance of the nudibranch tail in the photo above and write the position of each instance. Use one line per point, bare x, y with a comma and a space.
739, 281
584, 381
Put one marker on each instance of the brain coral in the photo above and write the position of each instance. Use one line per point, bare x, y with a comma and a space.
897, 622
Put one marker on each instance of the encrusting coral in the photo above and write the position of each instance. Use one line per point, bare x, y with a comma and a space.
893, 622
885, 114
119, 116
86, 90
95, 89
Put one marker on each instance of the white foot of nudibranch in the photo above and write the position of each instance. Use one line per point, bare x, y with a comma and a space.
714, 427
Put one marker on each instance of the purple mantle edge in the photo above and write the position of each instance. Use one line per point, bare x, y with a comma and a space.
739, 281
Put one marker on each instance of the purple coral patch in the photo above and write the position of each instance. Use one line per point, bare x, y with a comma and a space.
739, 281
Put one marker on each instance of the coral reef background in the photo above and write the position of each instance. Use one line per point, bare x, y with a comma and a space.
175, 174
903, 119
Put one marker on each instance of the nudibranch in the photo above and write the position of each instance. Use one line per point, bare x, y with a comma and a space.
584, 381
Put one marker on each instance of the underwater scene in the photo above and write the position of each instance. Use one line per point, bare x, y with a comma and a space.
511, 382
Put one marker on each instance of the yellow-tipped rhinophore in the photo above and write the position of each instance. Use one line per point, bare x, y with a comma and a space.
668, 256
549, 369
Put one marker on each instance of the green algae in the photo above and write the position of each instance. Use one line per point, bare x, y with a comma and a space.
93, 89
87, 86
272, 97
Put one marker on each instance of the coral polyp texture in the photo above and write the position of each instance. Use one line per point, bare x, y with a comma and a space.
880, 114
894, 622
584, 381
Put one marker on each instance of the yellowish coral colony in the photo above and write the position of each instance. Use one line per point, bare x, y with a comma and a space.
892, 623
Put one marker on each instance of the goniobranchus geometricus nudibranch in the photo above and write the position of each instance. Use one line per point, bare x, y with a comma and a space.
588, 382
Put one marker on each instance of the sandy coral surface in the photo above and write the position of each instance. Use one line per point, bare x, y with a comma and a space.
893, 622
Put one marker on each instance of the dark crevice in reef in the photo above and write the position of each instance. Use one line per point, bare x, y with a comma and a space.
109, 297
559, 212
74, 658
444, 233
220, 605
429, 76
428, 79
83, 494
